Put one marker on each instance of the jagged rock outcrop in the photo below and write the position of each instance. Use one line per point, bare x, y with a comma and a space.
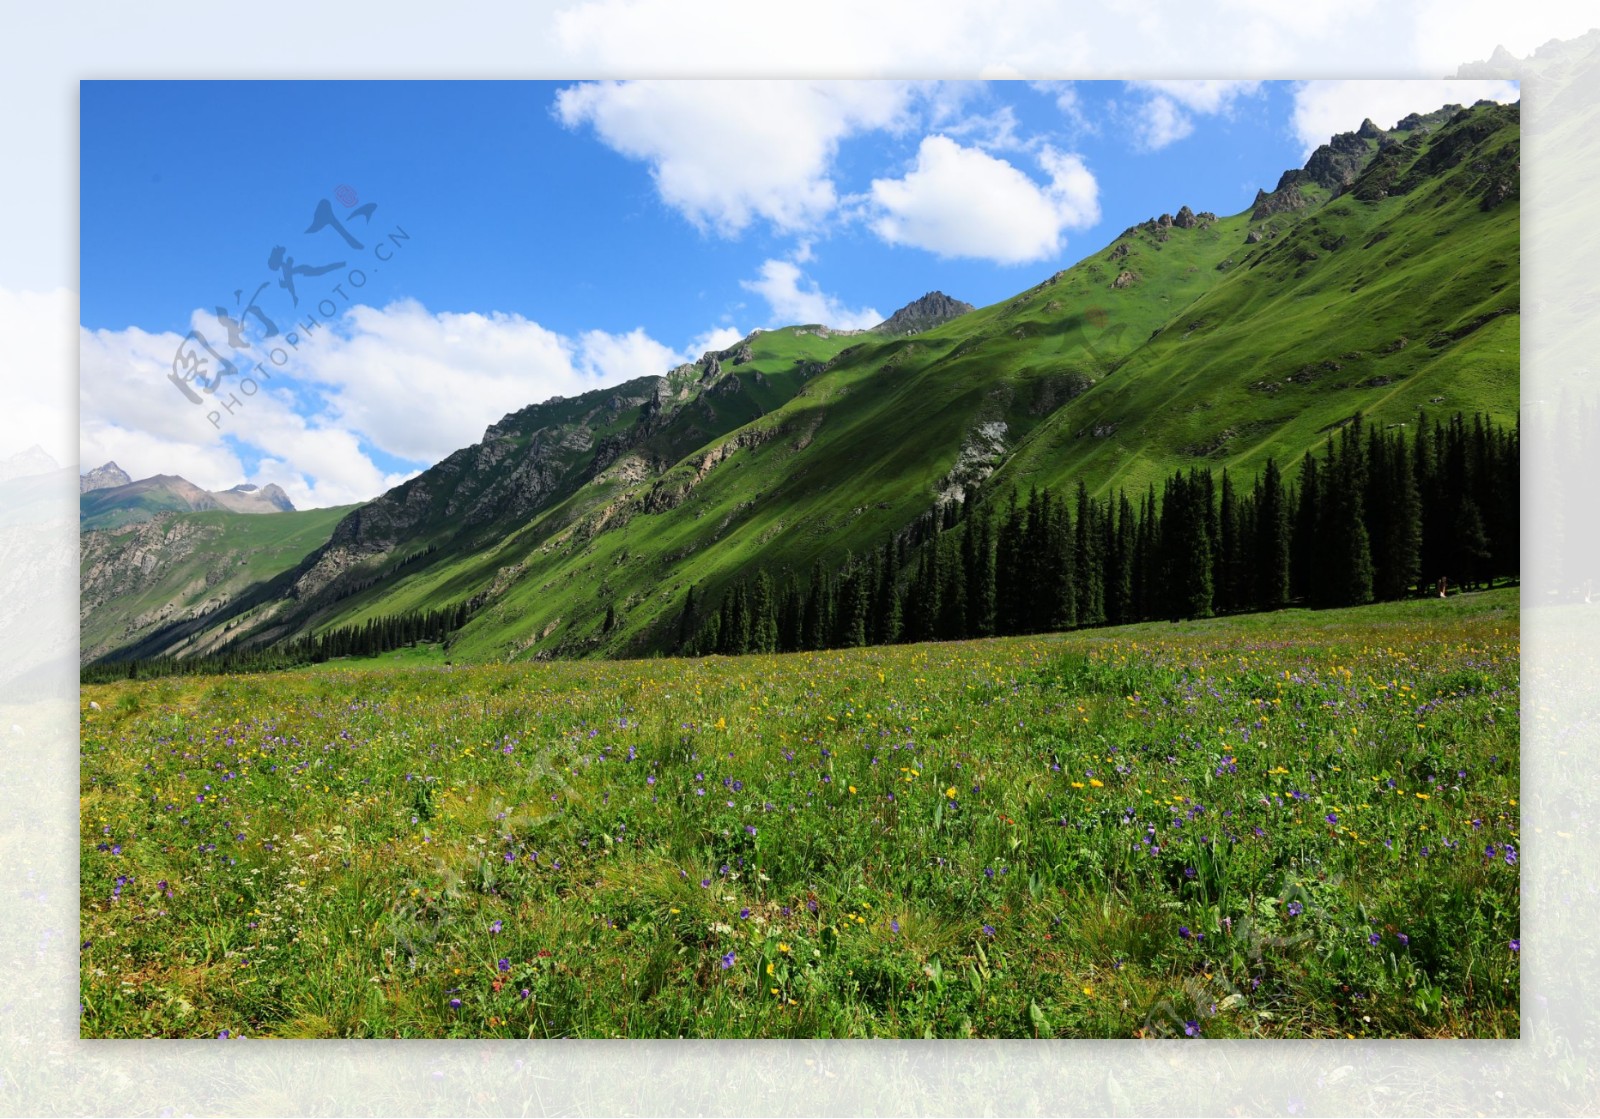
1282, 201
923, 314
981, 451
1333, 167
1125, 280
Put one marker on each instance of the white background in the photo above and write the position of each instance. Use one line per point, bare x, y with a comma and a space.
46, 49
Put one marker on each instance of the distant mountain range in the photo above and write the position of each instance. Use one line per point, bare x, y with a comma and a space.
108, 498
1381, 277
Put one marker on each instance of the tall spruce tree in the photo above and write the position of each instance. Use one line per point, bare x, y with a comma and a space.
1272, 540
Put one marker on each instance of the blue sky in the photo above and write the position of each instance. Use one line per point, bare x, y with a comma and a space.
562, 236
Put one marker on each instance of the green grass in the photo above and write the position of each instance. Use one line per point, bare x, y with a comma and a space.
936, 840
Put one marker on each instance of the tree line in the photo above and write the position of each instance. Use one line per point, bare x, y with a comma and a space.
374, 636
1376, 514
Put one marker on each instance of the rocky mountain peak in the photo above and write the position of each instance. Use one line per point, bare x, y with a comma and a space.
103, 478
923, 314
270, 494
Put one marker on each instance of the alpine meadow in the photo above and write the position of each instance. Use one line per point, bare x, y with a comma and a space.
1136, 656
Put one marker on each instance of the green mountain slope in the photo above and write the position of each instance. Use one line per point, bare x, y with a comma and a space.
142, 580
1380, 277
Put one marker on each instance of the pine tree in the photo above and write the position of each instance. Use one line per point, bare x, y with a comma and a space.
1010, 579
978, 559
1088, 563
1229, 566
952, 624
1272, 540
852, 611
886, 607
1305, 539
763, 615
1120, 566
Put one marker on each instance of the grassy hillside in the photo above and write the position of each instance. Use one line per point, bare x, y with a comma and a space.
1186, 365
1192, 341
1385, 304
139, 580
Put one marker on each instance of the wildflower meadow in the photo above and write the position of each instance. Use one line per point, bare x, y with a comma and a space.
1296, 824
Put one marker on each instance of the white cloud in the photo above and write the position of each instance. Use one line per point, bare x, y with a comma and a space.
995, 131
1167, 114
420, 385
1201, 96
130, 413
613, 358
414, 384
1070, 105
725, 154
795, 300
961, 202
1163, 122
1324, 108
714, 340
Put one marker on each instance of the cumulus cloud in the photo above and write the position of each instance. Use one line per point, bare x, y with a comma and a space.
714, 341
1169, 108
961, 202
1325, 107
794, 299
130, 413
727, 153
613, 358
379, 384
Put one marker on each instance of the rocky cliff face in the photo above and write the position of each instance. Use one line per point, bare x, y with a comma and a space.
923, 314
1347, 161
184, 567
